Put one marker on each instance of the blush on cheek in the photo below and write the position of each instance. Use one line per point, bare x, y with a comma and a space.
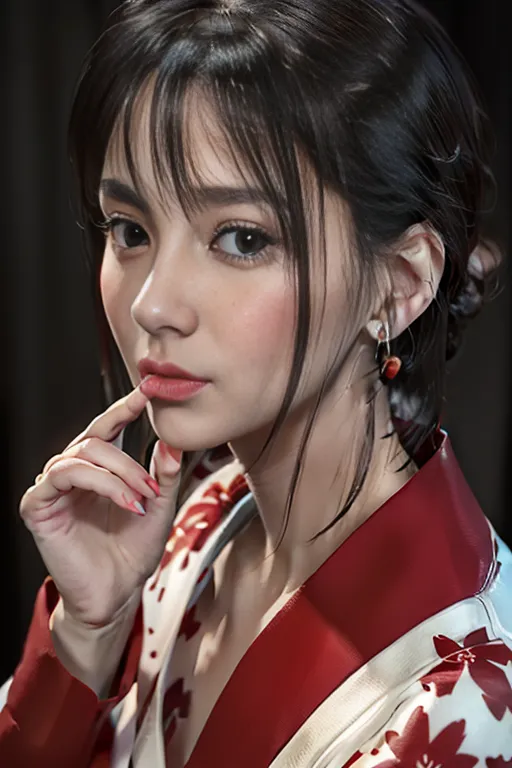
265, 326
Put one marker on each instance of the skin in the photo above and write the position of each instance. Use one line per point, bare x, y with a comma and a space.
176, 290
178, 296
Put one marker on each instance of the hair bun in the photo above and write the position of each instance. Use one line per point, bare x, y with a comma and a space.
479, 287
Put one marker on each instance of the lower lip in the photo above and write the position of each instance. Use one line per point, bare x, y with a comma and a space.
173, 390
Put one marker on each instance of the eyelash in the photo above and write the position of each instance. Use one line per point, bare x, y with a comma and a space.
109, 224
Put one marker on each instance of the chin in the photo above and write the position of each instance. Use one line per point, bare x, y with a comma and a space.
187, 430
200, 426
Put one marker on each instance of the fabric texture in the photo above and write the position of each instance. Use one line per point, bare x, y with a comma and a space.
396, 652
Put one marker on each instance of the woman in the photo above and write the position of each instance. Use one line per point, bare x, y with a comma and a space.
283, 208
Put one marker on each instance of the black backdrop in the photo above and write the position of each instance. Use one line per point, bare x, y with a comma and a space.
50, 384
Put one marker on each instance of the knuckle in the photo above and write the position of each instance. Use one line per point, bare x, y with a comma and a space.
53, 472
85, 447
59, 468
49, 464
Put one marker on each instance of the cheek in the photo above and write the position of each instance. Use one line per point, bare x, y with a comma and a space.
116, 300
262, 326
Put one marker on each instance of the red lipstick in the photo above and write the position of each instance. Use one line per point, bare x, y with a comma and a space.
166, 381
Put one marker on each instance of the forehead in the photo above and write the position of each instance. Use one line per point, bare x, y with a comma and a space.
210, 162
202, 145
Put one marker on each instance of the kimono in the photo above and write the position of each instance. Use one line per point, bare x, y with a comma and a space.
397, 651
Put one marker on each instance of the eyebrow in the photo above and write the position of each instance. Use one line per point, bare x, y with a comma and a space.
123, 193
204, 196
219, 195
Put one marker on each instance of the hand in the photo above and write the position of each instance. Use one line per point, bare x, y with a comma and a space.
86, 513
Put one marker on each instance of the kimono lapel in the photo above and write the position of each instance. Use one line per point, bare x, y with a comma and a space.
205, 524
334, 731
150, 744
426, 549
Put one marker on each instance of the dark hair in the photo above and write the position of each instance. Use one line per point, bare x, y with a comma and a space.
374, 96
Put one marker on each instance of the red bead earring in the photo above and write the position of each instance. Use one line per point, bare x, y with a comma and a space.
389, 364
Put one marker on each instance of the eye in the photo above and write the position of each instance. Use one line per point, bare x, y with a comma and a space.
241, 242
126, 234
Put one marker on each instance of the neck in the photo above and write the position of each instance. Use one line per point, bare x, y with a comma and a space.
292, 552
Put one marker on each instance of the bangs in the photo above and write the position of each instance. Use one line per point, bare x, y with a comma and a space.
165, 113
236, 93
269, 121
262, 111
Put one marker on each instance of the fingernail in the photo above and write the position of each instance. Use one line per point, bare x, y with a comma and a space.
138, 508
153, 485
174, 453
134, 506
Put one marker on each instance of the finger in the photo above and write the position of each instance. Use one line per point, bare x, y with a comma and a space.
109, 424
69, 474
165, 465
108, 456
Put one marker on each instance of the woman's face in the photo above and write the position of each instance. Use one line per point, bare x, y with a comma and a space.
213, 294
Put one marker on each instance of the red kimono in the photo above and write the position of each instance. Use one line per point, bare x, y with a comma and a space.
396, 652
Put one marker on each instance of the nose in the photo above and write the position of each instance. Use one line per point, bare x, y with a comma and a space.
166, 300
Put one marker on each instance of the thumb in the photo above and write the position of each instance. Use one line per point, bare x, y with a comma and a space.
165, 467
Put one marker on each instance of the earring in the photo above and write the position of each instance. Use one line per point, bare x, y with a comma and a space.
389, 364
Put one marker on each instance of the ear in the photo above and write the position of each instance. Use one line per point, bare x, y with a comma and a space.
415, 273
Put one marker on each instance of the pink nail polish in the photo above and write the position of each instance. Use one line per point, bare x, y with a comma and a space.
134, 506
153, 485
175, 453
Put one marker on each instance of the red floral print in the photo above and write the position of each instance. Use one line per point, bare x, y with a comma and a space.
498, 762
481, 656
229, 496
191, 533
189, 625
355, 757
414, 749
176, 704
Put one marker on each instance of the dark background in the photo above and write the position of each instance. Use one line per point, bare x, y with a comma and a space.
50, 387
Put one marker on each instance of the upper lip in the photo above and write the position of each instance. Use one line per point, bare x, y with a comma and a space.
147, 367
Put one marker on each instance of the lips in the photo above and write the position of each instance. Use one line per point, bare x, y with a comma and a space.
166, 381
148, 367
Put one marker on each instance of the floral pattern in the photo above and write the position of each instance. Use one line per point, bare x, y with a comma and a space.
424, 733
176, 705
192, 532
480, 656
190, 535
189, 625
414, 747
355, 757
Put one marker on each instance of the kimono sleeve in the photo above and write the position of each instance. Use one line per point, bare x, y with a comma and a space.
51, 718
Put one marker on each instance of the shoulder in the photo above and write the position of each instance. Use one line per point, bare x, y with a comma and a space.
458, 710
459, 713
